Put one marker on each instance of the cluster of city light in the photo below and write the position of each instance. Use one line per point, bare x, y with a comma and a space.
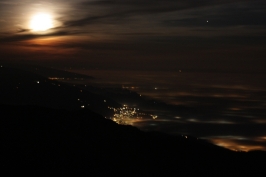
127, 115
154, 116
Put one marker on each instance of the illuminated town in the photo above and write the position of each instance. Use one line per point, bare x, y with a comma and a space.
127, 115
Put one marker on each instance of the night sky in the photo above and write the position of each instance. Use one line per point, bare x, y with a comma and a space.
136, 34
207, 36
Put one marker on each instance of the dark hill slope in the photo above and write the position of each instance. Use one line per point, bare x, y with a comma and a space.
19, 87
45, 141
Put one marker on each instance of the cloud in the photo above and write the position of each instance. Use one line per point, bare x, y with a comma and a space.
119, 10
21, 30
158, 27
249, 14
133, 17
25, 37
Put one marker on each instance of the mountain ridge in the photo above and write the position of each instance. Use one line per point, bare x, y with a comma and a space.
40, 140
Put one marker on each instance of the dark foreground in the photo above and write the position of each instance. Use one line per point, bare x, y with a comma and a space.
43, 141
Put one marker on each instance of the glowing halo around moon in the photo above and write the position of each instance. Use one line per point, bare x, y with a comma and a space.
41, 22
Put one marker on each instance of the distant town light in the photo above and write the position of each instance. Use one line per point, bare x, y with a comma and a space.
82, 106
38, 82
154, 116
56, 78
125, 115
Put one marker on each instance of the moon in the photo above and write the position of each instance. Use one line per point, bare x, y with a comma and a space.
41, 22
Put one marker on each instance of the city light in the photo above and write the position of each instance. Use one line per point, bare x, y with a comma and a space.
154, 116
125, 115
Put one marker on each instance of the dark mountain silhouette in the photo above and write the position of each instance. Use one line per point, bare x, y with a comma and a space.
44, 141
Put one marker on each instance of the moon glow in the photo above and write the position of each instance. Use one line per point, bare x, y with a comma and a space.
41, 22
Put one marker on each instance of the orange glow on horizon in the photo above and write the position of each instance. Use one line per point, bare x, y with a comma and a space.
235, 146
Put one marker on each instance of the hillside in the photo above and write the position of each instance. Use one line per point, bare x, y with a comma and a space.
20, 87
39, 140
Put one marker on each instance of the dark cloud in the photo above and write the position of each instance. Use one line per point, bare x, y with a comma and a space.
160, 5
223, 16
25, 37
21, 30
123, 9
